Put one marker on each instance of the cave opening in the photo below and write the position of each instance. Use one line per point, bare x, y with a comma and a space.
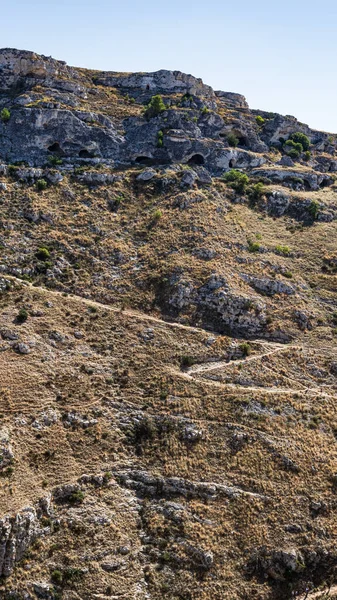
196, 159
55, 148
84, 153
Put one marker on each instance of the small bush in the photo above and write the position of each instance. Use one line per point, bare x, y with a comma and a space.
232, 140
57, 577
76, 497
307, 155
255, 192
5, 115
294, 154
42, 253
157, 215
155, 107
236, 180
41, 184
160, 139
253, 246
313, 209
55, 160
260, 120
245, 348
205, 110
302, 139
293, 149
186, 361
285, 250
22, 315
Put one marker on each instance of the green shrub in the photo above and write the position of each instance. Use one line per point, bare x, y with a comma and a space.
42, 253
76, 497
160, 139
186, 361
55, 160
245, 348
313, 209
236, 180
155, 107
41, 184
57, 577
260, 120
307, 155
205, 110
157, 215
22, 315
302, 139
253, 246
5, 115
285, 250
294, 153
255, 192
292, 147
232, 140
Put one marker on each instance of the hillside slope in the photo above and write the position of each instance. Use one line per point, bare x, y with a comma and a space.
168, 275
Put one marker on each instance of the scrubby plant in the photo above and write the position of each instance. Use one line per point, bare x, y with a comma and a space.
293, 149
56, 577
76, 497
232, 140
41, 184
155, 107
245, 348
236, 180
307, 155
22, 315
160, 139
186, 361
255, 192
156, 216
294, 154
5, 115
260, 120
301, 138
253, 246
42, 253
313, 209
55, 160
285, 250
205, 110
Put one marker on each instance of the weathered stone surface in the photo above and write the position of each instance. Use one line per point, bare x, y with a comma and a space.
16, 535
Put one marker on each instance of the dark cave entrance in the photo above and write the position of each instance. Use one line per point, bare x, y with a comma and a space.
144, 160
55, 148
196, 159
86, 154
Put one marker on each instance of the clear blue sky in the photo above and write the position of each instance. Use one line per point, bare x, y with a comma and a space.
280, 55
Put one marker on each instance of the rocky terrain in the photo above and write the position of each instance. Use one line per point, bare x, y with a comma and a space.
168, 329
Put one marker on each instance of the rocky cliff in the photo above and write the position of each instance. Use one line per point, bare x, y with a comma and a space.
168, 327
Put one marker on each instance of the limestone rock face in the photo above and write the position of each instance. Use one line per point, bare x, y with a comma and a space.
158, 82
16, 535
17, 64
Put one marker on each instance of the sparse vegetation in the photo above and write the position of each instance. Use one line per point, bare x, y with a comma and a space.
253, 246
41, 185
155, 107
313, 209
237, 180
5, 115
232, 140
160, 139
22, 315
245, 348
